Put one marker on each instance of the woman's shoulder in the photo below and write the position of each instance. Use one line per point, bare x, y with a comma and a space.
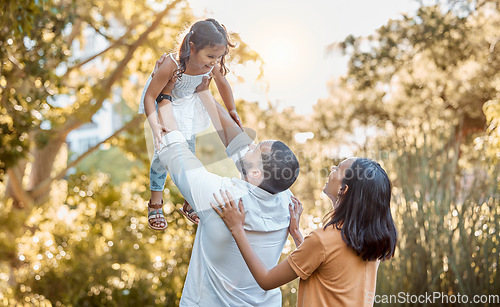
328, 235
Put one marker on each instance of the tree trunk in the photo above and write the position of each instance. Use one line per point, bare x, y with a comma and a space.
15, 189
44, 158
42, 165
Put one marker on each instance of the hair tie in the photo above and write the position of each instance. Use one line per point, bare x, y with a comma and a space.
191, 32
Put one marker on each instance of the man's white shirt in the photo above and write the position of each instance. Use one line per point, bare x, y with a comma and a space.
217, 274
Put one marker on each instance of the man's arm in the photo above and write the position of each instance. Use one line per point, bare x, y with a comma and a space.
189, 175
232, 136
226, 94
225, 125
194, 182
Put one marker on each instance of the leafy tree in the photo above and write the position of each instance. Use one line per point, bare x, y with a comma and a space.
423, 91
440, 64
60, 62
42, 65
420, 96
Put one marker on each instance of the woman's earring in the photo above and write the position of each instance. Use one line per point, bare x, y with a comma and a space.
337, 202
339, 195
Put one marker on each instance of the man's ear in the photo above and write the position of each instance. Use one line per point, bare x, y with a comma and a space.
255, 173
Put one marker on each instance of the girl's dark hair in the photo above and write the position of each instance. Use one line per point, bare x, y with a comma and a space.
204, 33
363, 214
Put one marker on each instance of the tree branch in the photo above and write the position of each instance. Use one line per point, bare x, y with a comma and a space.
113, 45
130, 52
102, 34
44, 185
103, 93
74, 31
18, 66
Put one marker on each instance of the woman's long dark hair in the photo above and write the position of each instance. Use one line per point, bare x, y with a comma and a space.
204, 33
363, 214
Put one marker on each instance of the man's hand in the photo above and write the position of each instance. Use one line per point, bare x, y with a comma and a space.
205, 83
169, 87
158, 64
158, 132
235, 116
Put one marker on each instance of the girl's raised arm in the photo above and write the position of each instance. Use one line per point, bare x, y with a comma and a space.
226, 93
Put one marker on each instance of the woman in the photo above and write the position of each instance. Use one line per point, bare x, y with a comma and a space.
337, 264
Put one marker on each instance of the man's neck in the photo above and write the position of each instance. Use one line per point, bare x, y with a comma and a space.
244, 178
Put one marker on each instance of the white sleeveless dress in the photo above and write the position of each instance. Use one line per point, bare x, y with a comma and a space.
188, 109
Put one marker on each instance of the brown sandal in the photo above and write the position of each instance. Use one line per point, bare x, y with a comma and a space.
156, 216
190, 215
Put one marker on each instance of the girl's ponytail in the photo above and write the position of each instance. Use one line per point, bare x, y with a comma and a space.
184, 53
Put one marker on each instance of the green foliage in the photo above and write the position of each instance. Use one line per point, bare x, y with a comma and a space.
441, 64
96, 249
59, 66
32, 44
83, 239
420, 96
423, 91
110, 161
447, 217
491, 141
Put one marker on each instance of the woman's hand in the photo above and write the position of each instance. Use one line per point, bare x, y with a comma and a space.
295, 213
232, 215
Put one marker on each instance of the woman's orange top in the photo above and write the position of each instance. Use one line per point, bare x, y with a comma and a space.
331, 274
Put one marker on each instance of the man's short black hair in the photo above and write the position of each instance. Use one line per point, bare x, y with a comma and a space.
280, 168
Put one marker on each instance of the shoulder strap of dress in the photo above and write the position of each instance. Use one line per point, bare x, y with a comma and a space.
173, 59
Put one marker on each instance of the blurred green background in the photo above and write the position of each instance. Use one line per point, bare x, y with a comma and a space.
422, 90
